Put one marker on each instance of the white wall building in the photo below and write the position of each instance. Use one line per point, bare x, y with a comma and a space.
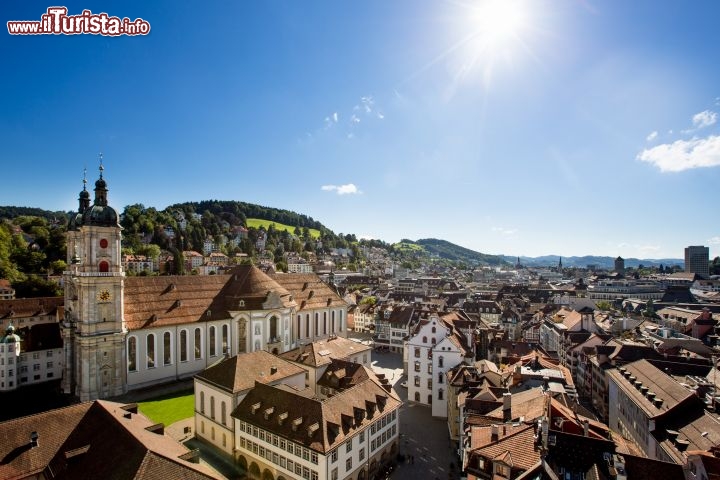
432, 351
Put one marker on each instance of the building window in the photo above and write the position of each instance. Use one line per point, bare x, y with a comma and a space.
132, 354
429, 369
348, 464
417, 366
429, 383
151, 351
167, 357
273, 328
348, 446
202, 402
212, 407
198, 344
333, 456
317, 324
424, 339
361, 454
417, 380
417, 352
441, 361
104, 267
183, 345
224, 339
223, 413
440, 394
334, 474
440, 377
212, 341
332, 316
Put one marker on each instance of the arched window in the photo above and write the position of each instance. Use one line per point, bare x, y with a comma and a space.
307, 325
434, 329
440, 394
132, 354
104, 267
225, 339
441, 361
433, 340
151, 351
273, 328
223, 413
324, 323
183, 345
212, 341
417, 396
332, 321
167, 354
212, 407
299, 325
424, 339
198, 344
341, 320
317, 323
202, 402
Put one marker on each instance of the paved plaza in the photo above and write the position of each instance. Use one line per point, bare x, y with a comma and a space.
422, 437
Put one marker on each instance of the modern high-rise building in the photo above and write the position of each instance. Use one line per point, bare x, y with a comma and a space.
697, 260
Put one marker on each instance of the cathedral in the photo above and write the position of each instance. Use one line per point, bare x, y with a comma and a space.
121, 333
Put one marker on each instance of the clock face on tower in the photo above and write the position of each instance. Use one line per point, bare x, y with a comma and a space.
104, 295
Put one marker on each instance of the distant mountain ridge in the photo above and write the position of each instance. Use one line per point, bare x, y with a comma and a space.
584, 261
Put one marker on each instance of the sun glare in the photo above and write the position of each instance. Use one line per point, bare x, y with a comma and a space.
499, 20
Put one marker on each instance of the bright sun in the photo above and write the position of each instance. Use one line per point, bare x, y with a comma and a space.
499, 21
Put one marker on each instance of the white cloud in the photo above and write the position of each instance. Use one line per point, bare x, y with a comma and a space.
335, 117
714, 241
354, 119
347, 189
380, 115
704, 119
652, 136
684, 154
649, 248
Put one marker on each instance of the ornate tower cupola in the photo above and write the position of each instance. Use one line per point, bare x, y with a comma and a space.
84, 195
101, 214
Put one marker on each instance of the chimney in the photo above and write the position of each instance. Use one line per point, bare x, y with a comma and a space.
34, 439
507, 407
494, 433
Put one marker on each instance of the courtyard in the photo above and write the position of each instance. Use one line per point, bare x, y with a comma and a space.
424, 441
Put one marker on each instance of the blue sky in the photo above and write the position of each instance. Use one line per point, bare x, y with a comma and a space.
535, 127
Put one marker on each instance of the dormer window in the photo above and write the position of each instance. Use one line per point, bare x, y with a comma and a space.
241, 303
282, 417
268, 412
255, 407
296, 423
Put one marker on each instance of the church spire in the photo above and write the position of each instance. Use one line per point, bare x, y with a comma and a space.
84, 198
101, 186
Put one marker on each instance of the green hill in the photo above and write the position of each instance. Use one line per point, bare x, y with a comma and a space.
450, 251
258, 222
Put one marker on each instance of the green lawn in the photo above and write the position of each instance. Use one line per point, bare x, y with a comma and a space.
257, 223
169, 409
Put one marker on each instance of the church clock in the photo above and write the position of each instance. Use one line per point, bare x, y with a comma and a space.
104, 295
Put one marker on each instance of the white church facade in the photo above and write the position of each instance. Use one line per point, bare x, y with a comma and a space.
121, 333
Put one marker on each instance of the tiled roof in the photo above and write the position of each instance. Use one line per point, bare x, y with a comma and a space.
30, 307
309, 291
318, 424
664, 386
239, 373
176, 300
518, 446
341, 375
170, 300
93, 440
319, 353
